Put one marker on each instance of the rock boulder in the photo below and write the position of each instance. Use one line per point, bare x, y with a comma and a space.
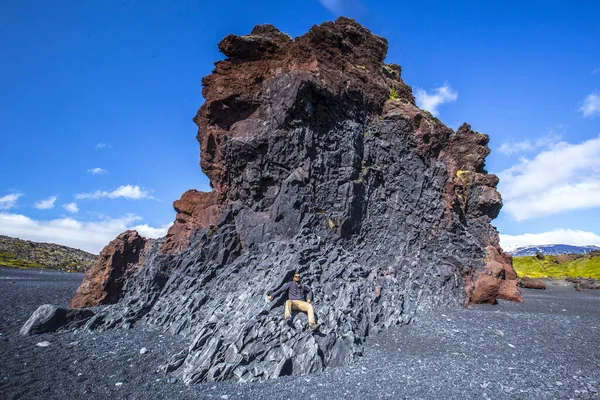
103, 282
581, 284
50, 318
529, 283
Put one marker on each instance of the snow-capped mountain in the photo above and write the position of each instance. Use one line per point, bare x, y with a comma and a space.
551, 249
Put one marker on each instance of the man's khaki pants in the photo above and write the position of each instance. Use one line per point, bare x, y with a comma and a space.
299, 305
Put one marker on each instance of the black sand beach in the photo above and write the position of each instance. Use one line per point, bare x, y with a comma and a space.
548, 347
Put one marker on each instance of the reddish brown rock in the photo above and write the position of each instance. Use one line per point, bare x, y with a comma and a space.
195, 210
528, 283
508, 290
497, 281
103, 282
485, 289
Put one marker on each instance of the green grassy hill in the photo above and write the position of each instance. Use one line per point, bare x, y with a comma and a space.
562, 266
17, 253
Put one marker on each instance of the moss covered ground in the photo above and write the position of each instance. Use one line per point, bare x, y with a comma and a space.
576, 266
10, 260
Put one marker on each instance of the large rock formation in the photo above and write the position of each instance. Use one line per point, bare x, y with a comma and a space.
320, 162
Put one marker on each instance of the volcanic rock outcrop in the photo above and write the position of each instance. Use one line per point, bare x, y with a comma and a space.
320, 162
103, 282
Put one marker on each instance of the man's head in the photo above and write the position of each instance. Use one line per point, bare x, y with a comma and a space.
297, 277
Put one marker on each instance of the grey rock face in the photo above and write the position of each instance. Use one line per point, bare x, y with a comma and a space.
372, 260
50, 318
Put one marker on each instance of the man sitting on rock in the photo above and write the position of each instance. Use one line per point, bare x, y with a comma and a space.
297, 293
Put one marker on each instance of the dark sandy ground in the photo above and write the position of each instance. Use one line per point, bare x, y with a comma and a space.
546, 348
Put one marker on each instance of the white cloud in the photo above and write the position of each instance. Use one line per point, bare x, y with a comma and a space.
71, 207
527, 145
127, 192
88, 236
45, 204
9, 201
563, 178
150, 232
97, 171
101, 145
591, 105
431, 102
557, 236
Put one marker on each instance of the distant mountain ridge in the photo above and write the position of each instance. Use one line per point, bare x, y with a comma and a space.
551, 249
20, 253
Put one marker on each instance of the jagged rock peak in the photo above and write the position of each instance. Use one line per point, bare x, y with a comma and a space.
327, 41
270, 79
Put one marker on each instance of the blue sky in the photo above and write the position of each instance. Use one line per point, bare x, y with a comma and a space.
97, 100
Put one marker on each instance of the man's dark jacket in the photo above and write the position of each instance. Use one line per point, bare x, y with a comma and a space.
295, 291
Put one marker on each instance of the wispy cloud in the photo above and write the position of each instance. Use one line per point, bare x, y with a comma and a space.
591, 105
335, 6
46, 204
89, 236
527, 145
102, 145
71, 207
346, 7
97, 171
513, 147
127, 192
557, 236
439, 96
9, 201
563, 178
596, 71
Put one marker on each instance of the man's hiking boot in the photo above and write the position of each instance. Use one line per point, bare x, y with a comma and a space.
288, 322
